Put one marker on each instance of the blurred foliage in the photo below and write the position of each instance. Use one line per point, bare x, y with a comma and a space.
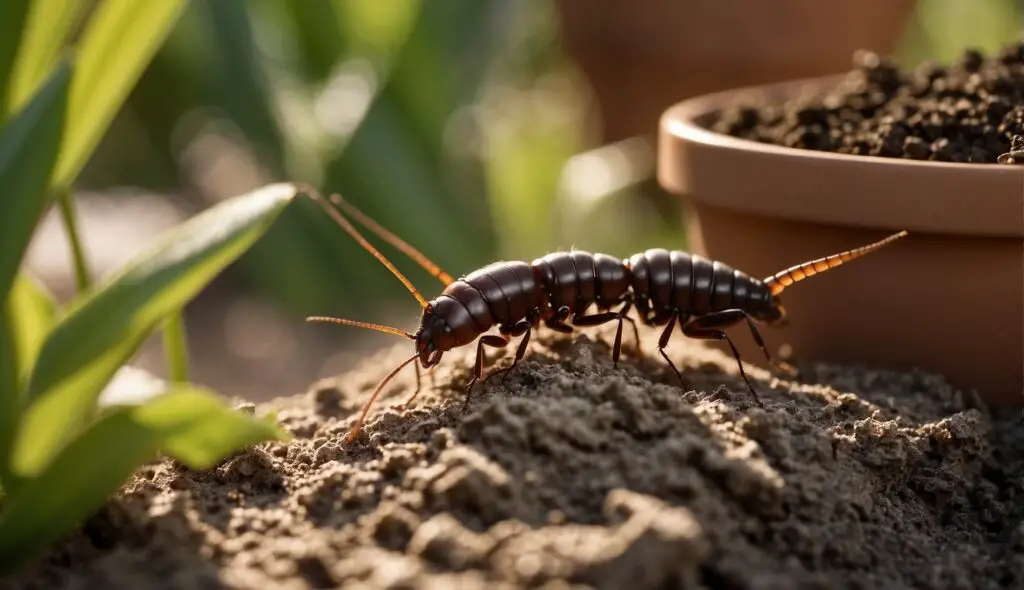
75, 421
941, 29
449, 122
350, 95
458, 124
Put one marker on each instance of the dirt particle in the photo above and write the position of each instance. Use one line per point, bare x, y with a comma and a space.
396, 459
392, 526
443, 541
327, 397
312, 569
328, 451
470, 482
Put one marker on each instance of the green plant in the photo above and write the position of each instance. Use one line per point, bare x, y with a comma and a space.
74, 424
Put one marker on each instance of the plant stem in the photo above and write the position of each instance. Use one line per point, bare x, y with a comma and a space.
176, 347
67, 214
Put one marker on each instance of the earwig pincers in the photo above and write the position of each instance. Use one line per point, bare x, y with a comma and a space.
666, 287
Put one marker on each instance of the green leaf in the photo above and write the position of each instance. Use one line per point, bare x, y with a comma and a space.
28, 149
25, 318
100, 332
45, 31
13, 14
32, 310
119, 42
83, 476
186, 422
197, 429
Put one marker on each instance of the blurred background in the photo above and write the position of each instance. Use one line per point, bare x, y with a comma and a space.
477, 130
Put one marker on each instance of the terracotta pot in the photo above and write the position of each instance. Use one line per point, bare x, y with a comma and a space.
948, 298
642, 56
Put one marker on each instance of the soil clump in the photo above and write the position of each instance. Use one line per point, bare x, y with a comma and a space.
574, 474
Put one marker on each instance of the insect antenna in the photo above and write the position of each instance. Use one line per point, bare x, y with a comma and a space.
794, 274
357, 324
352, 231
400, 244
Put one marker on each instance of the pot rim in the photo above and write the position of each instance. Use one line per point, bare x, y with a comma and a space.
864, 191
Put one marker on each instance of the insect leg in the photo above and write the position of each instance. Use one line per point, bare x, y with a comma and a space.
478, 368
732, 316
636, 331
523, 328
663, 342
610, 316
709, 327
782, 366
557, 321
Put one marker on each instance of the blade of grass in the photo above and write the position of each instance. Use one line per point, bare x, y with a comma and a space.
13, 14
45, 32
176, 347
119, 42
25, 318
28, 150
187, 423
319, 37
116, 46
102, 330
197, 429
33, 310
240, 80
38, 514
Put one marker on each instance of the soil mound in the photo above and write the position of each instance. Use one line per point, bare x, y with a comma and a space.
572, 474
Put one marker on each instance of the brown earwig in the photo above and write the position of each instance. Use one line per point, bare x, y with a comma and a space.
704, 297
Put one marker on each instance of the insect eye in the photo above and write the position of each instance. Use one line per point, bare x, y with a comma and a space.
447, 329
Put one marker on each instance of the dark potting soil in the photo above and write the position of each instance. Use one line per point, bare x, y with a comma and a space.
573, 474
967, 111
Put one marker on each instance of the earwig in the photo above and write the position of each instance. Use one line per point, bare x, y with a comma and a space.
704, 297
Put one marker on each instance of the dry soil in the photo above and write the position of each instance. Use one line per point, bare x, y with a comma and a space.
574, 474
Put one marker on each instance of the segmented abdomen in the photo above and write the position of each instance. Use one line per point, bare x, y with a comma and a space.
690, 284
578, 279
